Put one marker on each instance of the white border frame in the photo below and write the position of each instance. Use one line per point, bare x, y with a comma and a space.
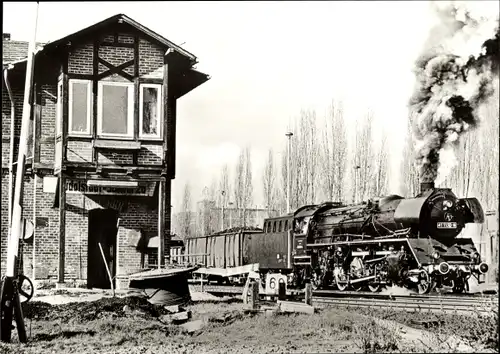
130, 112
89, 107
59, 107
159, 110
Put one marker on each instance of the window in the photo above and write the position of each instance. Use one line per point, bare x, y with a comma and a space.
286, 225
80, 107
115, 109
150, 110
279, 228
59, 108
274, 226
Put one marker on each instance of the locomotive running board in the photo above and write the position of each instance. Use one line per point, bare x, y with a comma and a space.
357, 242
229, 272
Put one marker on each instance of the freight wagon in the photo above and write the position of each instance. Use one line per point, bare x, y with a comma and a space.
229, 255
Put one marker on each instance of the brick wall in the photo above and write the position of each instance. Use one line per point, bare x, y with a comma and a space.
80, 61
150, 154
48, 123
151, 60
79, 151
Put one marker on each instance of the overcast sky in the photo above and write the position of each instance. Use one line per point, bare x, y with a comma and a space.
267, 61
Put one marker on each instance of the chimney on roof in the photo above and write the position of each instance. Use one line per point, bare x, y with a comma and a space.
6, 36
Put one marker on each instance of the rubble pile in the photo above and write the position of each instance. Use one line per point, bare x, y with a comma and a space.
87, 311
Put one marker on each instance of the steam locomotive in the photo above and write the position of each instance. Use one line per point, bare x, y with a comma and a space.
387, 241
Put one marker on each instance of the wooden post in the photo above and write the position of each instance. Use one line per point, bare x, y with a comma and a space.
254, 294
282, 291
201, 282
62, 226
308, 293
161, 223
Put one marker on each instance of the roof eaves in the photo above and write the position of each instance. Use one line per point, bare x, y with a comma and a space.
158, 37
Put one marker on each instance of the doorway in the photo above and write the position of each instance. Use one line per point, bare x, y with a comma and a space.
102, 230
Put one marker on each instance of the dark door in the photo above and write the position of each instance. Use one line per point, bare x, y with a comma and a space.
103, 231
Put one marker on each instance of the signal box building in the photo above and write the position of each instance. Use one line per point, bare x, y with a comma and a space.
101, 148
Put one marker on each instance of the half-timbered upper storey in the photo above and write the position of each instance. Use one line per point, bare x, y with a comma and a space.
105, 98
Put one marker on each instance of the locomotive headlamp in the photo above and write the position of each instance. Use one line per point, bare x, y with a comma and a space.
483, 268
447, 203
436, 255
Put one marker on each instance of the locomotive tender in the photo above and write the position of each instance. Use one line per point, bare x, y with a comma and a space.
408, 242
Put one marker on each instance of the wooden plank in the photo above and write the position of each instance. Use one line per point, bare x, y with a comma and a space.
38, 129
299, 307
117, 144
62, 227
81, 76
117, 44
95, 82
308, 294
161, 223
166, 110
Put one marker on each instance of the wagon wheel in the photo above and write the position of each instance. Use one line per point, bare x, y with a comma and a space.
374, 287
424, 282
25, 288
357, 286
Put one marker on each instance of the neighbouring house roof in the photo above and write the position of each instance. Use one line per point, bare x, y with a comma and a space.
14, 51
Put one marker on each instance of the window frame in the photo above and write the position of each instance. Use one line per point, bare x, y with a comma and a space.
59, 107
89, 107
286, 225
130, 109
159, 110
274, 226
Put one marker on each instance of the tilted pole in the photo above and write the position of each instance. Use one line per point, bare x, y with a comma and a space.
9, 296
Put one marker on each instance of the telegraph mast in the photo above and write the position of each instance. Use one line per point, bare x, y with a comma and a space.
10, 303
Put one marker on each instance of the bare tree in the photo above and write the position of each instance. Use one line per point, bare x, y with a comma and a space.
247, 184
185, 216
410, 173
363, 158
269, 182
381, 166
334, 148
239, 183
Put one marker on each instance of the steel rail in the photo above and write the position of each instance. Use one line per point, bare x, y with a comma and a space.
415, 302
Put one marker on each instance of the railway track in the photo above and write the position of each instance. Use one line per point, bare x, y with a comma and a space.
480, 303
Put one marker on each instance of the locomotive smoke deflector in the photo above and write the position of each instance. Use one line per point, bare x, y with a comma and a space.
475, 212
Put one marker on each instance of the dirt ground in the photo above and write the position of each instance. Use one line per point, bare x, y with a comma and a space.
94, 322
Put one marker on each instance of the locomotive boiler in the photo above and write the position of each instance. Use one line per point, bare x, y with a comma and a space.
408, 242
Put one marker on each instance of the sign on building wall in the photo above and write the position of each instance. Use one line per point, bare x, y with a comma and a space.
146, 189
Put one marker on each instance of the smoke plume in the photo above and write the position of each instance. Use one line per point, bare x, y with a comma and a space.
455, 75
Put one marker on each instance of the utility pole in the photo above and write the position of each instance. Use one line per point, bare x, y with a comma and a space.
9, 294
289, 171
222, 210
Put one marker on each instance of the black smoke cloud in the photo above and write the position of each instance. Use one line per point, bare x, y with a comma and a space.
449, 90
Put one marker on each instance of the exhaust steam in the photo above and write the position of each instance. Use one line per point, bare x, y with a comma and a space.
454, 78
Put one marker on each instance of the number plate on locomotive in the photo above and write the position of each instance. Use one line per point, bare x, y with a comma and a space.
446, 225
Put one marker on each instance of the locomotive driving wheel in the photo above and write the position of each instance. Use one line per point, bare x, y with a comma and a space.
424, 282
374, 287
